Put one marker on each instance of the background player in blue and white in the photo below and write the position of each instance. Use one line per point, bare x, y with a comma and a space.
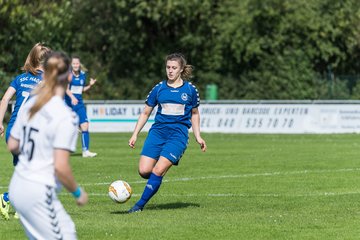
44, 134
74, 99
22, 86
177, 101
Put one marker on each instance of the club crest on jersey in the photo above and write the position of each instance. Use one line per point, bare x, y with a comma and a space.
184, 97
81, 82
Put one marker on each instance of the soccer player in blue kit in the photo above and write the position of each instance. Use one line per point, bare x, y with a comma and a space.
22, 86
73, 99
177, 101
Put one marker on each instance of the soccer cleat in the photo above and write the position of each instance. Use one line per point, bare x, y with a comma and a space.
4, 207
135, 208
16, 215
87, 154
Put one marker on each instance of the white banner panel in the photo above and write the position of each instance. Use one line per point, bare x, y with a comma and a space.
116, 117
240, 118
253, 118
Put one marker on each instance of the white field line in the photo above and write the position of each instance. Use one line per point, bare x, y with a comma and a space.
239, 195
245, 195
246, 175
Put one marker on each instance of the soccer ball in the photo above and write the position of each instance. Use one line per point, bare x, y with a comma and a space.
120, 191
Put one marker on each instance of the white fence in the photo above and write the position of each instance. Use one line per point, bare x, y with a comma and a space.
240, 116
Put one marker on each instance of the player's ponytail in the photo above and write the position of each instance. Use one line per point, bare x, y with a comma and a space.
180, 58
187, 72
56, 72
36, 58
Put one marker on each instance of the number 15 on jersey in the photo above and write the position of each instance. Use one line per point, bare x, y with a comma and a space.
28, 143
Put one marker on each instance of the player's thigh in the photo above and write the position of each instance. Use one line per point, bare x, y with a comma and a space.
81, 112
49, 221
162, 166
153, 144
174, 148
66, 224
41, 213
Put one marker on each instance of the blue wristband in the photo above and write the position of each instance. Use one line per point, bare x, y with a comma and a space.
77, 192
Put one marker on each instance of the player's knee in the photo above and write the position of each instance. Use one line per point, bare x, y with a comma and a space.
158, 171
144, 174
84, 126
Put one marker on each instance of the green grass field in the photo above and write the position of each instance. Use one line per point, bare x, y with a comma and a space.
243, 187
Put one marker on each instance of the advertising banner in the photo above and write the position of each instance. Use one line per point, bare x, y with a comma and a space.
240, 118
116, 117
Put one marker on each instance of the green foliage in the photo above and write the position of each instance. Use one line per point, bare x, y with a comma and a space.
274, 49
280, 48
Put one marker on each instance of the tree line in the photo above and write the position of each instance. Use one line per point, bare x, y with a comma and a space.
251, 49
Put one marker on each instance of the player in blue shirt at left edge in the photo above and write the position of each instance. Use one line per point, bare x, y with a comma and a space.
22, 86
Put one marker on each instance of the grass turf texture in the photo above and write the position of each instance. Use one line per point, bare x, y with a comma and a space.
243, 187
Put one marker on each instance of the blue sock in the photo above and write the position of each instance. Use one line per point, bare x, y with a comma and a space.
152, 186
85, 140
6, 196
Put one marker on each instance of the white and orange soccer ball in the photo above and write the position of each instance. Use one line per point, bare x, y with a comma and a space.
120, 191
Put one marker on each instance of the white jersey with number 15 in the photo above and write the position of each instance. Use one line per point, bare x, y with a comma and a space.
54, 126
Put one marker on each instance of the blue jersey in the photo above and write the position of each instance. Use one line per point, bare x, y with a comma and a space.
77, 85
23, 84
174, 104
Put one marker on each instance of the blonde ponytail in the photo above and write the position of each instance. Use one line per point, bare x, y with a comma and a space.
187, 72
36, 58
56, 70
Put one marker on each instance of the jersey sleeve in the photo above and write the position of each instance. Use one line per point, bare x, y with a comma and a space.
151, 99
66, 134
195, 96
14, 83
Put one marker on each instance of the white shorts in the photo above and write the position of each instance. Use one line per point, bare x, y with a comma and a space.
41, 213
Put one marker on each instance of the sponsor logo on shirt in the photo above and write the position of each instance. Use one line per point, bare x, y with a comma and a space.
173, 109
76, 89
24, 85
33, 79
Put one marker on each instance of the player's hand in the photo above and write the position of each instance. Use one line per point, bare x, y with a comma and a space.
74, 101
92, 81
2, 130
132, 141
202, 143
83, 199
